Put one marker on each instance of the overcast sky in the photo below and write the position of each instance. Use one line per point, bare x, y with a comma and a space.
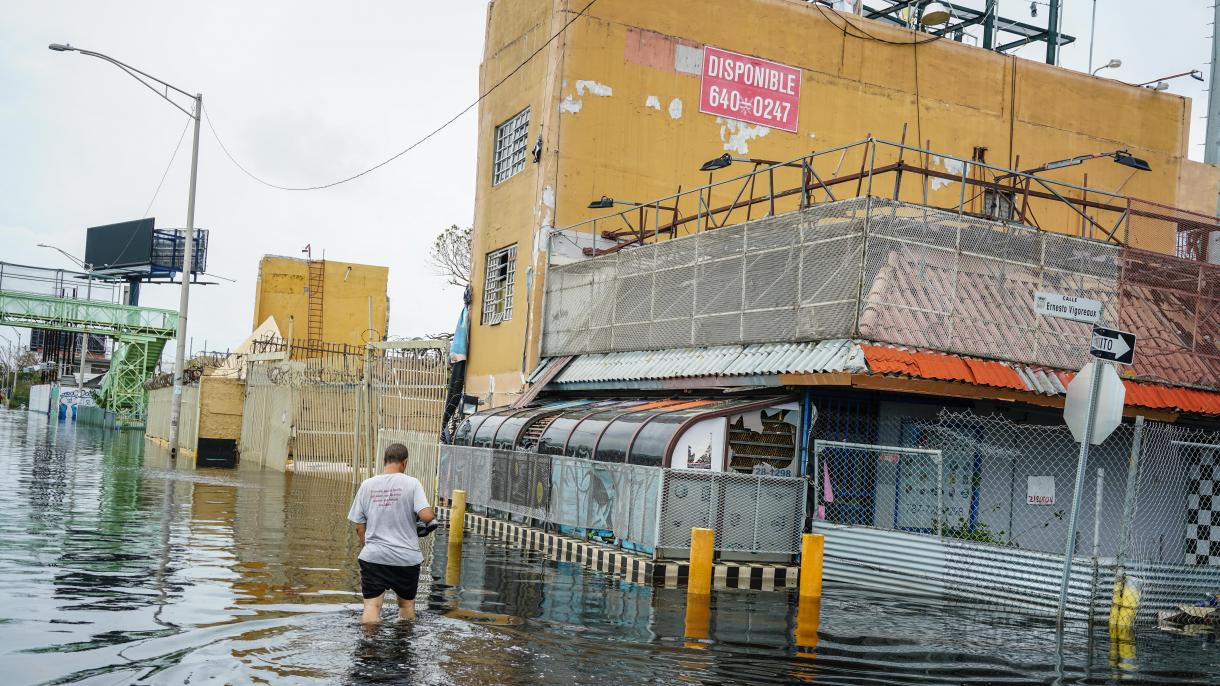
307, 92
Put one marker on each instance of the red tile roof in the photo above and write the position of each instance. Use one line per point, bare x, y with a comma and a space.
926, 365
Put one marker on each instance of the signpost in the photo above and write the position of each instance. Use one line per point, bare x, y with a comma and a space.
1103, 402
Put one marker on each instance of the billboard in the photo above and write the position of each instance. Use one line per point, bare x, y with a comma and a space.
749, 89
126, 244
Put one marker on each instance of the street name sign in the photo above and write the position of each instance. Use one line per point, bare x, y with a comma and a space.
1067, 307
1113, 345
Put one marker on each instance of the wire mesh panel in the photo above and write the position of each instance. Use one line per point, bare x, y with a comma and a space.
750, 514
1172, 548
598, 496
466, 469
520, 483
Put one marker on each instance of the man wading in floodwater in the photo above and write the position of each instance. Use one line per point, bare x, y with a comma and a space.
391, 512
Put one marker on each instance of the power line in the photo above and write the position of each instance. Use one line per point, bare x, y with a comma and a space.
410, 147
164, 174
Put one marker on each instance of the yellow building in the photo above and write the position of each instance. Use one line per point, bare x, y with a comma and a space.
325, 300
612, 108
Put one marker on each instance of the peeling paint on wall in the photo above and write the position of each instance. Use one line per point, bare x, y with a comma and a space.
594, 88
570, 104
688, 59
955, 167
653, 101
736, 135
675, 109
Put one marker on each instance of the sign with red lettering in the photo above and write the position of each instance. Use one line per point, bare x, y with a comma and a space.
749, 89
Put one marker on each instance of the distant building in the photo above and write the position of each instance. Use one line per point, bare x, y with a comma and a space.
325, 300
613, 108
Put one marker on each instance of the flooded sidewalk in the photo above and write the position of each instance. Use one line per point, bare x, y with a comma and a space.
116, 567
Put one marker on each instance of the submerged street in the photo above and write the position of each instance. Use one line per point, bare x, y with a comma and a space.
117, 568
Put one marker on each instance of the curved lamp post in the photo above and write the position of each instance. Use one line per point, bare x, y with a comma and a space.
188, 250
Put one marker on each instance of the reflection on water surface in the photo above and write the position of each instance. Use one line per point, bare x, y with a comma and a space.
116, 567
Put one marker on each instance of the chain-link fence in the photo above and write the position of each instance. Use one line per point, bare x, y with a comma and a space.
647, 508
986, 500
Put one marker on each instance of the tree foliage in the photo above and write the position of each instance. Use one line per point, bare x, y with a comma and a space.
450, 255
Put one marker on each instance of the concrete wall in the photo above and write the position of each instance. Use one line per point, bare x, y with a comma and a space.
40, 398
615, 103
282, 292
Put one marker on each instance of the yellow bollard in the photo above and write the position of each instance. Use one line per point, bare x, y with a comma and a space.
699, 580
812, 548
453, 564
698, 615
808, 617
457, 517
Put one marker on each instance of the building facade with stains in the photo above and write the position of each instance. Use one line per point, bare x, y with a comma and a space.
611, 107
323, 301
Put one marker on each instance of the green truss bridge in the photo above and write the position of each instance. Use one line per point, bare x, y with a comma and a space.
59, 300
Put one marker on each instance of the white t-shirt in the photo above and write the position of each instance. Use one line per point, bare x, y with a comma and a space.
387, 505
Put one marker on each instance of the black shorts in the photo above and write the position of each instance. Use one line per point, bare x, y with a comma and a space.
376, 578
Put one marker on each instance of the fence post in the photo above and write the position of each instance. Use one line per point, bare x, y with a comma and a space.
702, 549
1128, 520
656, 525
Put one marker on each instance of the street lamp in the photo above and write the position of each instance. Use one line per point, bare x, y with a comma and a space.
84, 348
188, 250
605, 203
1122, 157
1160, 85
1112, 64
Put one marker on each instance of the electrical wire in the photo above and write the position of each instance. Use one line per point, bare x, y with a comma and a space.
164, 174
864, 34
410, 147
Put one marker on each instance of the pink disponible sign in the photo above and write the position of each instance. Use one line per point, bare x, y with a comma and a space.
749, 89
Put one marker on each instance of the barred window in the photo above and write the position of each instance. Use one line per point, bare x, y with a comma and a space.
500, 275
509, 154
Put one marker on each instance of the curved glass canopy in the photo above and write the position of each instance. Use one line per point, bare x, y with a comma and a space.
635, 431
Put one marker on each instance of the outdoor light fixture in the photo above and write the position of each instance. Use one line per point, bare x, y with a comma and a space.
1112, 64
934, 14
60, 47
1119, 156
1160, 84
1128, 160
605, 203
717, 163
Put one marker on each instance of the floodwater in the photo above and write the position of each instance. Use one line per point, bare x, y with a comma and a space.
116, 568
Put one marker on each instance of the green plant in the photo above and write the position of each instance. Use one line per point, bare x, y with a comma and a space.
979, 532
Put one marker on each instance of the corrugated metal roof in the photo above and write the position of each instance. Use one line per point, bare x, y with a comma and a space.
926, 365
726, 360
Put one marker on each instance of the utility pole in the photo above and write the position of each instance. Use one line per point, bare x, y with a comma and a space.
188, 255
188, 248
84, 348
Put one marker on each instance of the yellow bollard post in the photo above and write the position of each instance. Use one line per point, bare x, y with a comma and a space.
812, 549
698, 614
457, 517
453, 563
808, 617
699, 580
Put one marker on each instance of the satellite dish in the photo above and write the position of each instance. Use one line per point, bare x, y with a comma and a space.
935, 14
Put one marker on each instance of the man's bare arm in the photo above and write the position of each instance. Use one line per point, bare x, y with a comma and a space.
425, 515
360, 532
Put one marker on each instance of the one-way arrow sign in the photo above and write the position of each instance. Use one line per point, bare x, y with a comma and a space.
1113, 345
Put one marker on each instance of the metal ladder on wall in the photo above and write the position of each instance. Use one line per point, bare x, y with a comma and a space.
317, 273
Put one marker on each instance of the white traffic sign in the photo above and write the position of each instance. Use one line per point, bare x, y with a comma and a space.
1108, 408
1113, 345
1067, 307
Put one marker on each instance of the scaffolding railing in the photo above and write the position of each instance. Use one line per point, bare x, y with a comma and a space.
875, 167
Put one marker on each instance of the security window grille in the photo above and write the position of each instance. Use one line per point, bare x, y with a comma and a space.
498, 285
509, 157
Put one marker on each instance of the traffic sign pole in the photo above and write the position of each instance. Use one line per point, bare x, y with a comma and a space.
1082, 462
